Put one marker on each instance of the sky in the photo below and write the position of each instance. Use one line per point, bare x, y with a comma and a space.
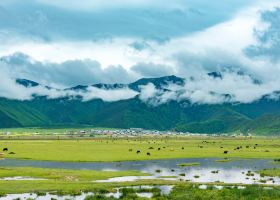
63, 43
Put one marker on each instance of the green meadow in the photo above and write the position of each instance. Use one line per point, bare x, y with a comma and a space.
108, 149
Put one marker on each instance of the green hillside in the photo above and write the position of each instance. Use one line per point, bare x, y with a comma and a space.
135, 113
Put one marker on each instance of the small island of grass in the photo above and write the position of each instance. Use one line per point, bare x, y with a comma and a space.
224, 160
276, 161
188, 164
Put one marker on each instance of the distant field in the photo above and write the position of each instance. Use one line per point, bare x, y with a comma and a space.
106, 149
46, 130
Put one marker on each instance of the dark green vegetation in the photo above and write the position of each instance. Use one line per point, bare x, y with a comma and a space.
260, 117
250, 192
189, 192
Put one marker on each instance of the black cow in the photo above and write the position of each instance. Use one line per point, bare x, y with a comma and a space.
138, 152
158, 149
148, 154
5, 149
225, 152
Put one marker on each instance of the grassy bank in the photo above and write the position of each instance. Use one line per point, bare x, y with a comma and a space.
63, 174
126, 149
62, 180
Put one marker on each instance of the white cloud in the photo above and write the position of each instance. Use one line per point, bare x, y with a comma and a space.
220, 42
108, 95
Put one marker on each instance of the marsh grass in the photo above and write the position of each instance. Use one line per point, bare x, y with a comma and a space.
270, 172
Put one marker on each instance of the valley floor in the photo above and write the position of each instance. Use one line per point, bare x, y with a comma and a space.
65, 181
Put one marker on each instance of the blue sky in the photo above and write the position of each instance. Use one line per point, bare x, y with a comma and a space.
67, 42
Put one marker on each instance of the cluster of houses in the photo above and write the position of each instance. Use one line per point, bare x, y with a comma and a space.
124, 132
134, 132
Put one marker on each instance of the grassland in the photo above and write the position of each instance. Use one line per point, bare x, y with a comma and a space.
108, 149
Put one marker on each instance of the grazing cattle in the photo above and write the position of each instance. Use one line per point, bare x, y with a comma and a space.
221, 147
158, 149
237, 148
129, 150
183, 148
12, 153
151, 148
138, 152
225, 152
5, 149
148, 154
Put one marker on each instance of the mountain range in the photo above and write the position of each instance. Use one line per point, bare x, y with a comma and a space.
260, 117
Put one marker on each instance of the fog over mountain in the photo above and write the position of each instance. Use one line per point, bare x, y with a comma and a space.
211, 88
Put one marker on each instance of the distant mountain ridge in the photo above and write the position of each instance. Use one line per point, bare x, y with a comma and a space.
259, 117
